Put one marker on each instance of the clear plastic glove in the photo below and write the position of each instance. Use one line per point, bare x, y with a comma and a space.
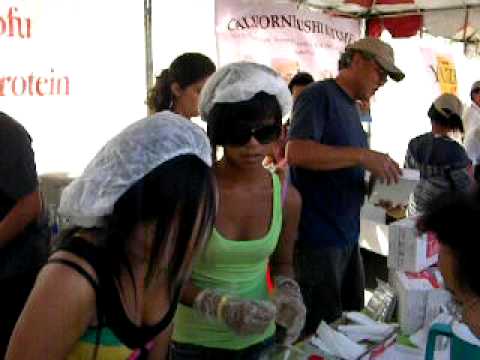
291, 310
243, 316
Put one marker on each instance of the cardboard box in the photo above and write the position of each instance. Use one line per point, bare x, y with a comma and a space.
408, 250
413, 291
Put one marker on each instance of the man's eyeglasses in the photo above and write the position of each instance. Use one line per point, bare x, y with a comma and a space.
382, 74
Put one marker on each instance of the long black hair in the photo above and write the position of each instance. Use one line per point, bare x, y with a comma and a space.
185, 70
260, 107
179, 197
175, 195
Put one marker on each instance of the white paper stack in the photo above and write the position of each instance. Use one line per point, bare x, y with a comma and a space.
336, 344
364, 328
396, 193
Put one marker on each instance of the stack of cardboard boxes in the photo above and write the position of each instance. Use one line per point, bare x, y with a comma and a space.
412, 258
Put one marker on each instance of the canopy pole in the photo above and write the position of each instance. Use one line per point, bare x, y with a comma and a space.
147, 16
465, 32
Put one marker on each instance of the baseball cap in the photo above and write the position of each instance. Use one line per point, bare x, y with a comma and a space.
383, 54
448, 103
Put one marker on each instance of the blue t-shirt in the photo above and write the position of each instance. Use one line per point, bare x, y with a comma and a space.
325, 113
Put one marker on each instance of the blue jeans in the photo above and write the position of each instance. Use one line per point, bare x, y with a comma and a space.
182, 351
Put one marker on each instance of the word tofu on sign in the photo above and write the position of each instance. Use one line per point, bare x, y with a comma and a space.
16, 26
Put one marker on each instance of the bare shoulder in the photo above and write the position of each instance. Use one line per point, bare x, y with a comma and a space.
63, 279
64, 290
61, 298
65, 270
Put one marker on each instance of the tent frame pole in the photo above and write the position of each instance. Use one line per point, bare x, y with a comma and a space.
147, 11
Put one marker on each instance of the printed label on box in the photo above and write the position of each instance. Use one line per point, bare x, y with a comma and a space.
426, 275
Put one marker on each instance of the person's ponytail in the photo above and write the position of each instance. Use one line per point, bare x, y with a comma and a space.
160, 96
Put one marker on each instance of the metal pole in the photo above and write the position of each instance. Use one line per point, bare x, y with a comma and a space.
147, 11
465, 25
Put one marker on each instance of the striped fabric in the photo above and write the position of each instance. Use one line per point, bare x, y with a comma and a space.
110, 347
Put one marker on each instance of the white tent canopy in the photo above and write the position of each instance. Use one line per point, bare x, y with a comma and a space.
454, 19
369, 7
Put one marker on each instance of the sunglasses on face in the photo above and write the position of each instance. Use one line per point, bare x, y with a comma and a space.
241, 134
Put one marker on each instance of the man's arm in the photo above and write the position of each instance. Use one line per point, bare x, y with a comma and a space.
282, 259
312, 155
26, 210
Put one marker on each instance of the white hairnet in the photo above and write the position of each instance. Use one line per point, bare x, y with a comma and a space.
127, 158
240, 82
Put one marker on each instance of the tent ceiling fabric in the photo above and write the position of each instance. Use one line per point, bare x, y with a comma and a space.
379, 7
445, 18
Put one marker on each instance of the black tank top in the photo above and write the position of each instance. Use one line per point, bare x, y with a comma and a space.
110, 311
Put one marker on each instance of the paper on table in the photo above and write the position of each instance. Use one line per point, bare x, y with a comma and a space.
420, 338
337, 344
360, 318
381, 330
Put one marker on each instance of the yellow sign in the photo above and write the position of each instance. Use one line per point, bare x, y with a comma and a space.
446, 75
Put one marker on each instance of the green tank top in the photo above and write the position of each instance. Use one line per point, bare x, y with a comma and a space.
236, 268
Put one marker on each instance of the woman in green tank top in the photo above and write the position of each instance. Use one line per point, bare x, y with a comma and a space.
226, 310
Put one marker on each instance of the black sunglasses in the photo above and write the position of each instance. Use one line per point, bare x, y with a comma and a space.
241, 134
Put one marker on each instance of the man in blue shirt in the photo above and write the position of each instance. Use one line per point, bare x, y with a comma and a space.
24, 233
328, 154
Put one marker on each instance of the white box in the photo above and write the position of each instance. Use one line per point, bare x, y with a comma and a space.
374, 236
396, 193
373, 229
408, 250
413, 290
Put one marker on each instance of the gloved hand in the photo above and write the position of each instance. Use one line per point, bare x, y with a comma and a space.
243, 316
291, 311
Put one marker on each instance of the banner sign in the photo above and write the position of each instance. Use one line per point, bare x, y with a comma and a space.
446, 75
441, 67
72, 73
283, 36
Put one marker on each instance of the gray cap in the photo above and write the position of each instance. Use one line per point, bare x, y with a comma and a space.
383, 54
449, 102
127, 158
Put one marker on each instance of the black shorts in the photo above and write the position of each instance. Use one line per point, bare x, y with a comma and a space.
332, 280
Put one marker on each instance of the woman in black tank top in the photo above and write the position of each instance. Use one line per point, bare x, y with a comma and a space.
153, 198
